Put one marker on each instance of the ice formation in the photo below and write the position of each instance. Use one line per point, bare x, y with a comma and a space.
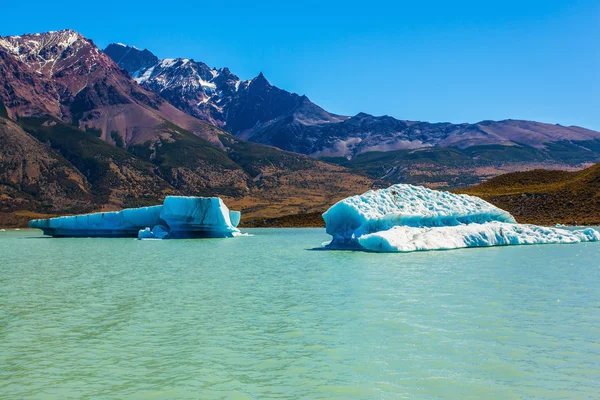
198, 216
177, 217
127, 222
158, 232
406, 218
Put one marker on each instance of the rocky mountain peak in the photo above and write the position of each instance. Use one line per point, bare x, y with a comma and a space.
28, 43
218, 96
261, 79
192, 86
130, 58
64, 75
51, 52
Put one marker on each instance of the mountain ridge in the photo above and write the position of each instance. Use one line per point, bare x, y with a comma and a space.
257, 111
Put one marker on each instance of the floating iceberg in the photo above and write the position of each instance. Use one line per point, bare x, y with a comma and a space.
406, 218
127, 222
177, 217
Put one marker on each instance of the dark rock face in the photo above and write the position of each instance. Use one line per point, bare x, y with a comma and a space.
191, 86
218, 96
130, 58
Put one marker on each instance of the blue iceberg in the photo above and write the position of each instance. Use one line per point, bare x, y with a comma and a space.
177, 217
405, 218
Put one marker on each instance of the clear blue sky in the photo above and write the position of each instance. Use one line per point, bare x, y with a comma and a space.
457, 61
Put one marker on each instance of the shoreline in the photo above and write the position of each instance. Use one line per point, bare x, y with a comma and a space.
306, 220
20, 219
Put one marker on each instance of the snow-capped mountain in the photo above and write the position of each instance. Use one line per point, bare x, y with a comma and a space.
191, 86
65, 75
215, 95
258, 111
50, 52
45, 72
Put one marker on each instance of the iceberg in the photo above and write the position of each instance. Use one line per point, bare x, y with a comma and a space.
122, 223
177, 217
404, 218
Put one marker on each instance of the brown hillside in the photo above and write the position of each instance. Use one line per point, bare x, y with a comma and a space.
546, 197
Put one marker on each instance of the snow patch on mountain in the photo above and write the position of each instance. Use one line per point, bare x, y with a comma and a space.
168, 62
144, 76
50, 52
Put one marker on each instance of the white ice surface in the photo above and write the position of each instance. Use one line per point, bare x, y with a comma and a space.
405, 238
158, 232
406, 205
408, 218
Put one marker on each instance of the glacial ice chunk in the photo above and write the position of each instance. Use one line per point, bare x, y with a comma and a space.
177, 217
122, 223
405, 218
405, 238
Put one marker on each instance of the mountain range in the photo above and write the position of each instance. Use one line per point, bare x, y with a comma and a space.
393, 150
83, 129
78, 134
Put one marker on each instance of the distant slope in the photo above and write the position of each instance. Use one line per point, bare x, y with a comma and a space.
441, 167
546, 197
116, 178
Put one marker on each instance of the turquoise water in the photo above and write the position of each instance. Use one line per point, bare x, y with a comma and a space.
266, 317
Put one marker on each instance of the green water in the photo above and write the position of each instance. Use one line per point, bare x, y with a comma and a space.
266, 317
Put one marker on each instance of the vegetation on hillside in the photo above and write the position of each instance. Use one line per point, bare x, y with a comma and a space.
306, 220
546, 197
278, 188
3, 111
108, 169
259, 180
539, 197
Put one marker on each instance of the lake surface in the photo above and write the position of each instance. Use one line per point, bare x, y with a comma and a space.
266, 317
